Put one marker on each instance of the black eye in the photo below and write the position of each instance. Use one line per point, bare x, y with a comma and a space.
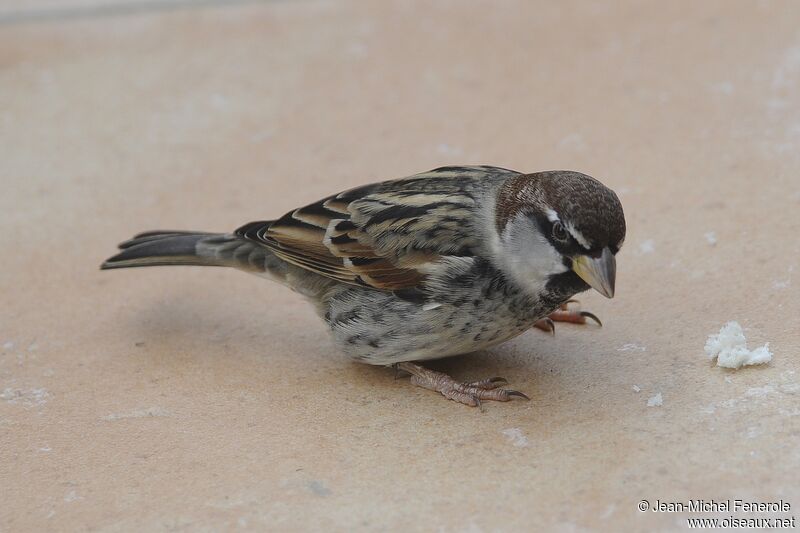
559, 233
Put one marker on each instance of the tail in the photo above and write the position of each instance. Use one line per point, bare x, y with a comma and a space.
156, 248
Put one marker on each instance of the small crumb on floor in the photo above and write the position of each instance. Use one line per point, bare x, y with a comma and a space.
632, 347
637, 388
72, 496
28, 398
711, 238
319, 488
729, 347
655, 401
8, 345
139, 413
647, 247
760, 392
516, 437
449, 150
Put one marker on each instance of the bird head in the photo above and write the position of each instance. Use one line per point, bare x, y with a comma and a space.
559, 228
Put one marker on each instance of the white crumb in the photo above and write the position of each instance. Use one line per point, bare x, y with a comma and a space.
760, 392
448, 150
723, 87
608, 512
516, 437
780, 284
655, 401
791, 388
72, 496
631, 347
28, 398
261, 136
647, 247
637, 388
139, 413
708, 409
8, 345
711, 238
729, 347
573, 141
220, 101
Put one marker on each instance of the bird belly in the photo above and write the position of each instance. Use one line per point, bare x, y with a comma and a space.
380, 328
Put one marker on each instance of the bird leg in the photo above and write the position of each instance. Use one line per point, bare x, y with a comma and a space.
565, 314
467, 393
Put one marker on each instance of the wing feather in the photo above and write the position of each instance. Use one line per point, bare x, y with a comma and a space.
384, 235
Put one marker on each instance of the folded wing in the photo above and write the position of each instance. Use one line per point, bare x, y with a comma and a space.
385, 235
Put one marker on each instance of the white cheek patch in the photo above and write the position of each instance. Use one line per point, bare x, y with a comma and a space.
528, 256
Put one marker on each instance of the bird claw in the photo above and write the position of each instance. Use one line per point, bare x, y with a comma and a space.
467, 393
490, 383
546, 324
565, 314
587, 314
518, 393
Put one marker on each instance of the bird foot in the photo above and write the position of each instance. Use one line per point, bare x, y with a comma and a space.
565, 314
467, 393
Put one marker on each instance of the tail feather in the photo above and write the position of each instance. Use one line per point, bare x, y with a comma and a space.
149, 236
158, 248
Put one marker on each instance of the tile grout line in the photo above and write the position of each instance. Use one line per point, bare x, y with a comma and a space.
142, 7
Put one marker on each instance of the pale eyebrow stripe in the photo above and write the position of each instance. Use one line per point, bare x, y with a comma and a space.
577, 236
552, 216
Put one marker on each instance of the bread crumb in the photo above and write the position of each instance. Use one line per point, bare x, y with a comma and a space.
711, 238
516, 437
449, 150
647, 247
72, 496
655, 401
139, 413
632, 347
637, 388
729, 347
760, 392
27, 398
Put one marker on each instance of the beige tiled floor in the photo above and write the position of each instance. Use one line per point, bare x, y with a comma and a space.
197, 399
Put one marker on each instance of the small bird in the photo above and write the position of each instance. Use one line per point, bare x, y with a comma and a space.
441, 263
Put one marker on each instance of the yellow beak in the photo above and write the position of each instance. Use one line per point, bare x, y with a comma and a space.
600, 273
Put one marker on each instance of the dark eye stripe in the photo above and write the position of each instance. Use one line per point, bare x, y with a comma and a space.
568, 247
